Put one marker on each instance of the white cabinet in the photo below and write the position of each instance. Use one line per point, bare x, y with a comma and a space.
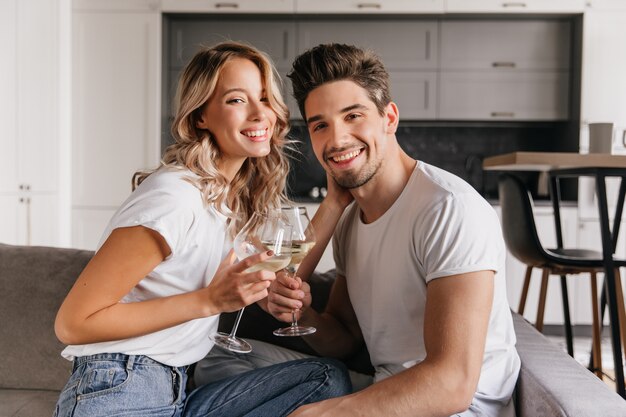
603, 67
29, 122
228, 6
515, 6
504, 70
116, 103
370, 7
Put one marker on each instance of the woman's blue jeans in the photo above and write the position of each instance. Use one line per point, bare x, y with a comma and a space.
114, 384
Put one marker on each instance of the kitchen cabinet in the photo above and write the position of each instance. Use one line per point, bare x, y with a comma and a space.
116, 5
277, 37
503, 96
116, 92
401, 44
514, 6
505, 45
88, 226
409, 49
369, 7
504, 70
29, 219
603, 67
227, 6
29, 122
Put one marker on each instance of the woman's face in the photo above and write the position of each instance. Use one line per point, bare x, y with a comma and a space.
238, 115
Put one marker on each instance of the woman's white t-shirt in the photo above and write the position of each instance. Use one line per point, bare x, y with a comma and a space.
197, 237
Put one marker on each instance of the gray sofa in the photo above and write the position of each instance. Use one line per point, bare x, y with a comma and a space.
34, 281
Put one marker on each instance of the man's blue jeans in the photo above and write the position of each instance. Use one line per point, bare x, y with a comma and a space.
113, 384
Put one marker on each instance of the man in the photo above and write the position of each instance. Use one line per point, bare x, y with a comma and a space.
419, 255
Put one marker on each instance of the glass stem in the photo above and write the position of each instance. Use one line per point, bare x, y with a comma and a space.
236, 325
292, 273
294, 321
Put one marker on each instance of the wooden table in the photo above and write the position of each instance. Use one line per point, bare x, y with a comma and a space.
598, 166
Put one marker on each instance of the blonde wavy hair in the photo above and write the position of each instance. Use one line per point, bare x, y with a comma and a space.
260, 183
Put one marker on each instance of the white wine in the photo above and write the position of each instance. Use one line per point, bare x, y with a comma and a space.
299, 250
275, 263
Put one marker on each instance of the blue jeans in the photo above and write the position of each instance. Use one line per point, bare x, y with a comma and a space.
114, 384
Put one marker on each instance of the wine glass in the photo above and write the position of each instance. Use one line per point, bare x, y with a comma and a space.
303, 240
263, 232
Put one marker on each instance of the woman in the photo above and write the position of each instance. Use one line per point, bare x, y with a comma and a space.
143, 308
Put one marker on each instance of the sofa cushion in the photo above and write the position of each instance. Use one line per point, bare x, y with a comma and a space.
553, 384
27, 403
33, 283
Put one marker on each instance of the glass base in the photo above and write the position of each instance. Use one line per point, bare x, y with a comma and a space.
295, 331
234, 344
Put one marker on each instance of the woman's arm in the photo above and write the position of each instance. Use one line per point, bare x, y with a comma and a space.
92, 313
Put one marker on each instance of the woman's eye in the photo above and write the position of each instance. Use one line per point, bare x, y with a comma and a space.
234, 100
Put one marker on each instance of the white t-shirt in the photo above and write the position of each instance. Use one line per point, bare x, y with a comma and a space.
197, 238
438, 226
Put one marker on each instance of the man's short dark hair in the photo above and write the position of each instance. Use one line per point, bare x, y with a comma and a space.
335, 62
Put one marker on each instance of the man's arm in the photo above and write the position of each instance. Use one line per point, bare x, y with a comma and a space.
455, 328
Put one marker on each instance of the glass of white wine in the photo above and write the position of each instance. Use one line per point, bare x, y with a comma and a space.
302, 241
263, 232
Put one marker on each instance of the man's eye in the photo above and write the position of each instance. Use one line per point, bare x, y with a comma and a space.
353, 116
318, 126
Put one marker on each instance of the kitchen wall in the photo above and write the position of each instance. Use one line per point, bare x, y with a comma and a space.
455, 147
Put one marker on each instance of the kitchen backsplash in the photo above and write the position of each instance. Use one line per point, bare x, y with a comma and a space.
455, 147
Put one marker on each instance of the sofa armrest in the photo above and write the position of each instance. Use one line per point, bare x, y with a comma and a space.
551, 383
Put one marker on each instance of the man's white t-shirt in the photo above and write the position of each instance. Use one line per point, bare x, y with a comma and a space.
438, 226
197, 237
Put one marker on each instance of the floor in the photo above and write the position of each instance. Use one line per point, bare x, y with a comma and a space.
582, 349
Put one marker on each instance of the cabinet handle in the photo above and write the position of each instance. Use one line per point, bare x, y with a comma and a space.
502, 114
369, 6
27, 187
426, 98
624, 137
226, 5
503, 64
28, 222
21, 186
513, 4
427, 45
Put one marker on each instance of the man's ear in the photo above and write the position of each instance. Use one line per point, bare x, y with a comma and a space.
392, 117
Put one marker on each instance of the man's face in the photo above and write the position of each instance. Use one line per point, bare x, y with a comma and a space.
348, 134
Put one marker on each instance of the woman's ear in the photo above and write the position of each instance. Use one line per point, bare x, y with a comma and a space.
393, 117
201, 124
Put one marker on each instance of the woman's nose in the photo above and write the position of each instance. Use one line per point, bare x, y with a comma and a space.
258, 111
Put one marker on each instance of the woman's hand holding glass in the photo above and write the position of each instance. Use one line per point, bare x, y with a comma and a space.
262, 234
232, 288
